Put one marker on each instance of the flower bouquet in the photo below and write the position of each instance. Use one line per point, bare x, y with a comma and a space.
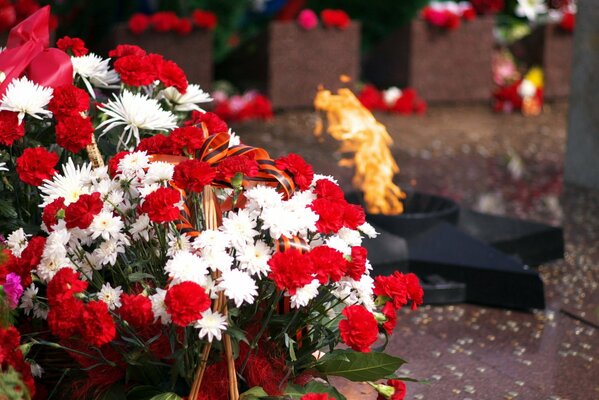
190, 265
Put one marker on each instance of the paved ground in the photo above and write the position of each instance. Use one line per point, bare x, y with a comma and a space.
505, 164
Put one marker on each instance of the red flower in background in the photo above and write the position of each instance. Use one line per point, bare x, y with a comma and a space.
97, 326
371, 98
123, 50
161, 205
183, 26
49, 215
193, 175
164, 21
73, 46
35, 165
185, 302
10, 129
139, 23
68, 100
81, 213
295, 165
290, 270
204, 19
8, 17
359, 330
74, 133
487, 6
568, 22
335, 18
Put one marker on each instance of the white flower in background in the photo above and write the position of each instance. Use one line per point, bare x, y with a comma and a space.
135, 112
140, 229
17, 241
25, 97
211, 325
111, 296
303, 295
391, 95
254, 258
349, 236
3, 167
188, 101
240, 227
159, 172
185, 266
238, 286
94, 70
368, 230
261, 197
527, 89
28, 299
70, 185
106, 225
177, 243
234, 139
159, 308
36, 369
531, 9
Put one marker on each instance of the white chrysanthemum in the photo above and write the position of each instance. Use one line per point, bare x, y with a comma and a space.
318, 177
111, 296
185, 266
217, 259
262, 197
17, 241
140, 229
25, 97
368, 230
238, 286
234, 139
365, 289
349, 236
177, 243
188, 101
278, 222
106, 225
36, 369
49, 266
135, 112
211, 325
134, 164
212, 240
254, 258
70, 185
159, 172
107, 253
240, 227
159, 308
303, 295
28, 299
3, 166
94, 70
338, 244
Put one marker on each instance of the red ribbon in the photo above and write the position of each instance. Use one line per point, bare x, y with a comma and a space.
27, 53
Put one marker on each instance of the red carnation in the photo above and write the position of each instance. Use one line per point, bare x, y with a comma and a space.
330, 215
391, 314
204, 19
73, 46
184, 26
11, 355
35, 165
371, 98
335, 18
64, 318
170, 74
136, 310
157, 144
328, 264
399, 392
210, 121
113, 163
302, 172
487, 6
161, 205
10, 129
139, 23
185, 302
353, 216
290, 270
74, 133
68, 100
29, 260
136, 70
97, 326
359, 330
258, 107
415, 292
81, 213
392, 287
230, 166
187, 140
193, 175
325, 189
123, 50
50, 213
63, 286
164, 21
357, 266
316, 396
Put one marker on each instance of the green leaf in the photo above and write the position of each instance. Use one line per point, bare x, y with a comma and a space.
115, 392
254, 393
358, 367
138, 276
403, 378
166, 396
296, 391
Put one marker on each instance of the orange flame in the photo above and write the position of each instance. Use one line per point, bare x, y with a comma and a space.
359, 132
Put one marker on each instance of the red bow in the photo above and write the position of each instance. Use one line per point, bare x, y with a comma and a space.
27, 53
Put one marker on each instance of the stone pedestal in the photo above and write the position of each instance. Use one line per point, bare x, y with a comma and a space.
193, 53
442, 65
557, 63
582, 152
